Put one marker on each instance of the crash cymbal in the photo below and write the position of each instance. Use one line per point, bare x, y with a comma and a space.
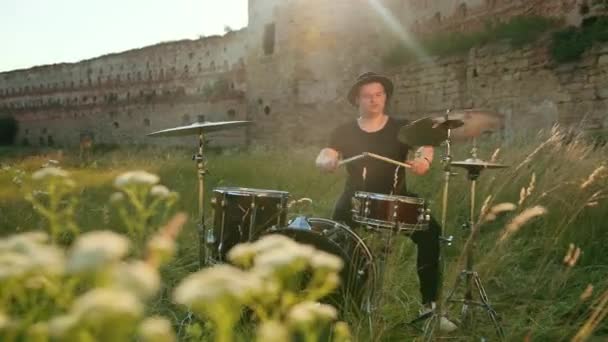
423, 132
199, 127
476, 122
477, 164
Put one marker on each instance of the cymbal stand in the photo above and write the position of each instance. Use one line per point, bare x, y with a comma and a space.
201, 170
469, 276
434, 317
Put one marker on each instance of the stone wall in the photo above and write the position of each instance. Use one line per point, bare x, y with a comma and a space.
289, 72
121, 97
524, 85
431, 16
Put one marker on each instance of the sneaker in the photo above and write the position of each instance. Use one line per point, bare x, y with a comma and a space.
445, 325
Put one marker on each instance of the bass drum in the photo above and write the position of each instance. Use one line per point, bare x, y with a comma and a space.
358, 277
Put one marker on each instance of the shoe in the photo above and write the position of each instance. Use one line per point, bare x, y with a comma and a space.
445, 325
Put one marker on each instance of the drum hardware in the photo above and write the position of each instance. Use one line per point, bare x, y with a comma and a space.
469, 276
199, 129
435, 131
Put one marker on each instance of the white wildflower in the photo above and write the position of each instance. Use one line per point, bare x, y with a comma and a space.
160, 191
222, 283
293, 259
272, 331
138, 277
306, 313
117, 197
161, 248
156, 329
101, 304
136, 177
325, 261
4, 320
24, 254
272, 241
94, 249
63, 326
242, 254
50, 172
18, 240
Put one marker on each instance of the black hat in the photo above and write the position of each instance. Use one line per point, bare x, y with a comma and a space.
369, 77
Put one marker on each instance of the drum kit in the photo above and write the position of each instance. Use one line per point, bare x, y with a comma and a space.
246, 214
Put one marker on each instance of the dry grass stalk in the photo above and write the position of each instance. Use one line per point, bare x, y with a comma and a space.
597, 316
484, 207
572, 256
498, 209
494, 155
520, 220
587, 293
555, 136
597, 174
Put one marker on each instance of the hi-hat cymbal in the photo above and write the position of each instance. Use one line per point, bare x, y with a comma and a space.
199, 127
477, 164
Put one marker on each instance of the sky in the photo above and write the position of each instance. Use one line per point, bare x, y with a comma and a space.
36, 32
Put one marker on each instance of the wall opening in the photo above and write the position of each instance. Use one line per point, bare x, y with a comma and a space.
267, 110
462, 9
147, 122
269, 36
231, 113
200, 118
116, 124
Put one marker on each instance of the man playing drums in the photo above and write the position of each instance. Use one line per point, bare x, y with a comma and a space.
376, 132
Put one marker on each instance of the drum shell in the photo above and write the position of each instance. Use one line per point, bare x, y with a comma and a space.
390, 211
243, 214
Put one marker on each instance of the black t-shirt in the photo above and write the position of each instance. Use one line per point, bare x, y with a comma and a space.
350, 140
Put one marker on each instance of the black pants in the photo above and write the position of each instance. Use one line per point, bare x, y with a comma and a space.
427, 243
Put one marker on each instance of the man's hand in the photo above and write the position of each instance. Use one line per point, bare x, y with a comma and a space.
327, 160
419, 166
422, 163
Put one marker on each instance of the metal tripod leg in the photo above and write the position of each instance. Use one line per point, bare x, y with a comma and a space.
470, 278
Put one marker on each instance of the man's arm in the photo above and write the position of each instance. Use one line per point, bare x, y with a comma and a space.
328, 159
422, 162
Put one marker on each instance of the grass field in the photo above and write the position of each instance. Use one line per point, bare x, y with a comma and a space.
537, 295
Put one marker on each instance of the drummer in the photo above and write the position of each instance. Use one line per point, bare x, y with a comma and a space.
376, 132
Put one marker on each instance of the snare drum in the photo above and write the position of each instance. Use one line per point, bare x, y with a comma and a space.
407, 214
242, 214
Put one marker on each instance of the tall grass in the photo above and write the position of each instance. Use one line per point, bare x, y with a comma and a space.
536, 294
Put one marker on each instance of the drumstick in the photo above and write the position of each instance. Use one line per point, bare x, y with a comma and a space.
373, 155
388, 160
351, 159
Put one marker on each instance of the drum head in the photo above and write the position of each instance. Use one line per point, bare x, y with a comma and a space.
357, 278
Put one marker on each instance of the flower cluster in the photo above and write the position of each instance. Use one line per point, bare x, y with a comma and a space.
280, 280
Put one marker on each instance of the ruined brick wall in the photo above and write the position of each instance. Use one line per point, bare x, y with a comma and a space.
430, 16
296, 90
121, 97
523, 84
289, 72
